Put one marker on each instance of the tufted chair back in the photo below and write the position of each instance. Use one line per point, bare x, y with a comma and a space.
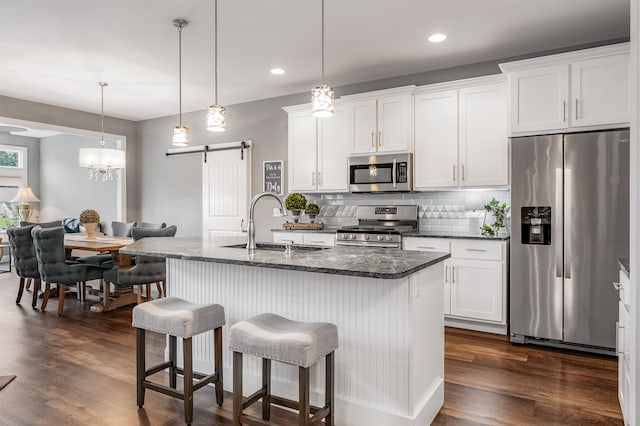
24, 252
149, 225
52, 224
49, 244
121, 229
148, 269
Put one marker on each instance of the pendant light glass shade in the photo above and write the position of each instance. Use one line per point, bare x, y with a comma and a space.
216, 118
180, 136
180, 132
322, 101
322, 95
216, 115
101, 161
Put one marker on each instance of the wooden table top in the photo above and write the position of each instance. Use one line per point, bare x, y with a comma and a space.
98, 243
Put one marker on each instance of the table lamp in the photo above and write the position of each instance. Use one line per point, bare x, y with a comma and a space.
24, 197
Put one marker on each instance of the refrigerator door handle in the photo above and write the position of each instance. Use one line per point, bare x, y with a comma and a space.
568, 184
557, 240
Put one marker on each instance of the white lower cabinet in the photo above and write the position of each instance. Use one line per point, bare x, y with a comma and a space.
475, 281
624, 348
305, 238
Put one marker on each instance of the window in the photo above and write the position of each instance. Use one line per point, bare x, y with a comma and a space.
13, 175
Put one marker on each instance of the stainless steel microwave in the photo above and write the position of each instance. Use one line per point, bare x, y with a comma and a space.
380, 173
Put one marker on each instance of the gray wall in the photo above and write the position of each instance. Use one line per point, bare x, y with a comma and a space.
65, 188
48, 114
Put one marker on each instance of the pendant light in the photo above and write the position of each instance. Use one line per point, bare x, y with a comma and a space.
101, 160
180, 132
322, 95
216, 115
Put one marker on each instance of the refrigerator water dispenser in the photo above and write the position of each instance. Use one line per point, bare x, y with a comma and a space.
536, 225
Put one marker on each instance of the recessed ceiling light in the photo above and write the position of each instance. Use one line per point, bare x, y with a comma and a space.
277, 71
437, 38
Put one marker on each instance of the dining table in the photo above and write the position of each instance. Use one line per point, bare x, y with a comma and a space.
105, 244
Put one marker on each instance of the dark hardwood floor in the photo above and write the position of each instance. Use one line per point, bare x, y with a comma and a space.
79, 369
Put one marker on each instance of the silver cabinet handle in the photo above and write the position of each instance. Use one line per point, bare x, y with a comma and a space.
462, 165
568, 186
319, 178
394, 178
313, 178
453, 274
576, 108
446, 273
373, 141
475, 249
617, 286
379, 138
558, 223
426, 247
564, 110
454, 172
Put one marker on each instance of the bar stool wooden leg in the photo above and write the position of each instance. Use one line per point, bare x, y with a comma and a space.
237, 388
148, 286
303, 378
188, 379
140, 365
266, 385
217, 364
173, 358
159, 287
329, 389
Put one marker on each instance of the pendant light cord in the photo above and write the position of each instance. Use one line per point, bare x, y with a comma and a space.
215, 55
180, 70
102, 113
322, 7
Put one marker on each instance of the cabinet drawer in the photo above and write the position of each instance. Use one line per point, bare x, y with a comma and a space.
476, 249
318, 239
426, 244
280, 237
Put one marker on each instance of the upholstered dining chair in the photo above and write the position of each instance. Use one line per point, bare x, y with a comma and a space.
146, 271
25, 261
121, 229
118, 229
53, 268
148, 225
52, 224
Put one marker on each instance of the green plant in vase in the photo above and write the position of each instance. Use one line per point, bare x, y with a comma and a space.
499, 212
295, 202
312, 211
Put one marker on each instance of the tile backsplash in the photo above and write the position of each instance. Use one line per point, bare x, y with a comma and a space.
449, 211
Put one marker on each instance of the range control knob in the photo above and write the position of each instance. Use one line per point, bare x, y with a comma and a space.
344, 236
388, 237
366, 236
379, 237
353, 237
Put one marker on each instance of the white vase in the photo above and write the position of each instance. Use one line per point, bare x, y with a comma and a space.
296, 215
91, 230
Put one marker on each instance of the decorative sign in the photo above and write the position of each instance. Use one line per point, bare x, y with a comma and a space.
272, 176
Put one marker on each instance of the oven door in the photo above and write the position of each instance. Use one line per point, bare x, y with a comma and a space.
369, 244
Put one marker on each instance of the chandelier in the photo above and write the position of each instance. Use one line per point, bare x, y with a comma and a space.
102, 161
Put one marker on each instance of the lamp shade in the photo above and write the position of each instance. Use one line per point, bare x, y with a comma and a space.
24, 195
101, 158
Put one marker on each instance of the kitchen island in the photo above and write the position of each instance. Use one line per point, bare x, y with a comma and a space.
387, 305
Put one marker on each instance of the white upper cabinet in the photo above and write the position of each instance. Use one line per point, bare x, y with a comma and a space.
318, 150
380, 121
540, 99
575, 91
460, 134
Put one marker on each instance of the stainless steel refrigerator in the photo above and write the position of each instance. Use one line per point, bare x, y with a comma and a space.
569, 223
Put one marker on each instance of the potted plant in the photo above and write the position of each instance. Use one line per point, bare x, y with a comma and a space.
294, 203
499, 212
90, 218
312, 211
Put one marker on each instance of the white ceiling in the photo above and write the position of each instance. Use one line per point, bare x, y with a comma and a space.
55, 52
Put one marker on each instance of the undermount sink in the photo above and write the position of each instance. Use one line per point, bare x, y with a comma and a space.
278, 247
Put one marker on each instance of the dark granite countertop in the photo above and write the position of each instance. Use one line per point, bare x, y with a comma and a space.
461, 235
419, 234
625, 266
363, 262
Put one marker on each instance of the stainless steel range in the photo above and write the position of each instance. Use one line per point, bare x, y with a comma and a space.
379, 226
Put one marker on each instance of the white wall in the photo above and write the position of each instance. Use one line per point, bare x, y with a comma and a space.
65, 189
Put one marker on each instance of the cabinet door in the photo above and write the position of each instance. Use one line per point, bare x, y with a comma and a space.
319, 239
476, 289
333, 152
600, 91
539, 99
302, 152
281, 237
482, 136
363, 132
436, 140
393, 123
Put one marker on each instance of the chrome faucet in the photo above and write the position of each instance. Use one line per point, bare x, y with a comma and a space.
251, 242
